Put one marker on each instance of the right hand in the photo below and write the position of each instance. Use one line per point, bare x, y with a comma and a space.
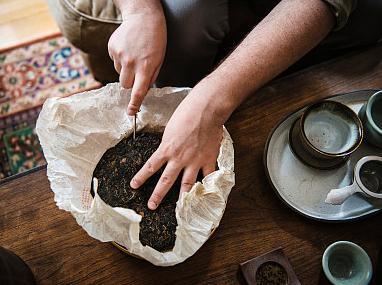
137, 48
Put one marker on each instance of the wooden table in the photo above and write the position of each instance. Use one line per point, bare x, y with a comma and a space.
255, 222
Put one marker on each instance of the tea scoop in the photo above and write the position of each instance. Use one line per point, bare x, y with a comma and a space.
367, 181
135, 125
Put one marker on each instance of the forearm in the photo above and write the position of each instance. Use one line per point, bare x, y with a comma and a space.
292, 29
128, 7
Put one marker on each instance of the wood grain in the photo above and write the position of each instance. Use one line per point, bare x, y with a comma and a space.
255, 222
24, 21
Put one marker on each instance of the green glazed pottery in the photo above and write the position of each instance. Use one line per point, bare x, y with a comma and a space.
346, 263
371, 117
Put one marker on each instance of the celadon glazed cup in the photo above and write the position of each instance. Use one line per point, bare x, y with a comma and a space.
346, 263
367, 181
371, 117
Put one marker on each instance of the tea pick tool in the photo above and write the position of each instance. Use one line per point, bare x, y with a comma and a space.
135, 125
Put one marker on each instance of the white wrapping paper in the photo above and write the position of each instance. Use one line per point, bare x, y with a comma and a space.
76, 131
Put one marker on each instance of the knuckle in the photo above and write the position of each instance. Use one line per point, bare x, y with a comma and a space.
145, 65
115, 53
171, 150
125, 84
176, 151
150, 167
133, 106
139, 93
118, 53
186, 185
165, 180
138, 180
156, 197
127, 61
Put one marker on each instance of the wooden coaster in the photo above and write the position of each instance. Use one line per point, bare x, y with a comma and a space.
268, 269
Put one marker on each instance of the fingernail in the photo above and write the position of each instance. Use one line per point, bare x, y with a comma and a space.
133, 184
152, 205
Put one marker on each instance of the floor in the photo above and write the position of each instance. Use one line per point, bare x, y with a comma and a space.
24, 21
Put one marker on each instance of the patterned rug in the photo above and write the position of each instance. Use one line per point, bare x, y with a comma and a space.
28, 76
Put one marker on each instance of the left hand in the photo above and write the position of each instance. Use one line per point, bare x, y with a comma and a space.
190, 142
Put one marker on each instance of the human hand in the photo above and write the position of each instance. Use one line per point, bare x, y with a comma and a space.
137, 48
191, 141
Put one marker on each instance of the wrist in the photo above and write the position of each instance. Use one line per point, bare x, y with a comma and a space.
139, 7
213, 101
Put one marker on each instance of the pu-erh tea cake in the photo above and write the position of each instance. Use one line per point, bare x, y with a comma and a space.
114, 172
74, 138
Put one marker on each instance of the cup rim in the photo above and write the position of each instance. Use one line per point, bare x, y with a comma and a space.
368, 112
358, 180
353, 115
325, 259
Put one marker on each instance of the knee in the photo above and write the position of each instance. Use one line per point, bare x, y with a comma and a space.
67, 20
86, 25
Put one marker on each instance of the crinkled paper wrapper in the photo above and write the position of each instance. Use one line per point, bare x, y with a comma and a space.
76, 131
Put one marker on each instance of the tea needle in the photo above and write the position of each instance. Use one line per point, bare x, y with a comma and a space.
135, 126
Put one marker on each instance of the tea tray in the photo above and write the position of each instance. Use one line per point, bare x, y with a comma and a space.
304, 188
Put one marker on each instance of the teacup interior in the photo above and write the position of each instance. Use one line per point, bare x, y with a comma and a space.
371, 175
376, 111
331, 129
347, 265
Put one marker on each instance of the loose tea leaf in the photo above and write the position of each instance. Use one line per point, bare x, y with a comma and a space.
271, 273
115, 170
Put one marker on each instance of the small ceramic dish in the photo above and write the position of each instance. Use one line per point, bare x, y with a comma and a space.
346, 263
326, 134
270, 268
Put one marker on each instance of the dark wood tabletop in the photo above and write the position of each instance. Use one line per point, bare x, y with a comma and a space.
255, 221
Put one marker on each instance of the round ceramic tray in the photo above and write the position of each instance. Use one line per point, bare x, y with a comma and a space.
304, 188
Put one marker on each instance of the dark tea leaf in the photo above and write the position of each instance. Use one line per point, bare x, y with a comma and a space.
114, 171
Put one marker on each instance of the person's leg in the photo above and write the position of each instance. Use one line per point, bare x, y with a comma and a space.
195, 29
88, 27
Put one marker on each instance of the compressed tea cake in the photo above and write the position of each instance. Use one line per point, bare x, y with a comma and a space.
114, 172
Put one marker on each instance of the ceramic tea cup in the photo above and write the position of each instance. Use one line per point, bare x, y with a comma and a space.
326, 134
346, 263
367, 181
371, 117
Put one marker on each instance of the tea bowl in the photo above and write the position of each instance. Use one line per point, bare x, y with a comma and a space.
326, 134
346, 263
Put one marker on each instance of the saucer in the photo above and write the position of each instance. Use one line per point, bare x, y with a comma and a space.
304, 188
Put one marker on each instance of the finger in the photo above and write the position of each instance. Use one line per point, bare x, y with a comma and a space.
140, 87
164, 184
188, 179
126, 77
117, 66
152, 165
155, 76
208, 169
